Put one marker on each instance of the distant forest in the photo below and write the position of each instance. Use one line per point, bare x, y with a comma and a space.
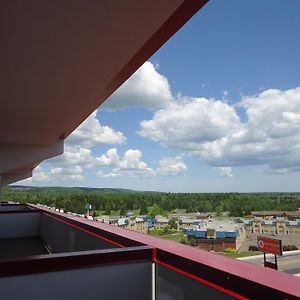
108, 200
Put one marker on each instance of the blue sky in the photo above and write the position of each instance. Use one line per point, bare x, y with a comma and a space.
216, 109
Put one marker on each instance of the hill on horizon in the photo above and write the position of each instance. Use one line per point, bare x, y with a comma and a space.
73, 189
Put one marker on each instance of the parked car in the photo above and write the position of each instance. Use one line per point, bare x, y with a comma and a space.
253, 248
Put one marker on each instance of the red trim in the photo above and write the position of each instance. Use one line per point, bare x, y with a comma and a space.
87, 231
203, 281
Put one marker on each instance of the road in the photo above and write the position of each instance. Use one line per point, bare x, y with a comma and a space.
288, 263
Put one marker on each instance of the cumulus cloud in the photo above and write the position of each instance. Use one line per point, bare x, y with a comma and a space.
55, 175
39, 174
77, 156
131, 165
191, 124
146, 87
110, 159
225, 172
171, 166
212, 130
91, 133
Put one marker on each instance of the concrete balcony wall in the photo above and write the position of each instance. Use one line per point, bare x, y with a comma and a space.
62, 237
181, 273
59, 236
13, 207
18, 225
118, 281
171, 285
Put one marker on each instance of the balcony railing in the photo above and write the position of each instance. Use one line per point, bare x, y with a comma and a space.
90, 259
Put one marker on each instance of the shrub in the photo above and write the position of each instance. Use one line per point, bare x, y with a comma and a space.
193, 242
230, 250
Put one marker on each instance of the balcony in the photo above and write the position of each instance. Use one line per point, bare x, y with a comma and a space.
51, 255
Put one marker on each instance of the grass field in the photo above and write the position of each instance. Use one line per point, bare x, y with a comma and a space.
172, 235
242, 254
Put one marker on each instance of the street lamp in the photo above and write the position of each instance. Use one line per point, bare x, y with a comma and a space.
88, 207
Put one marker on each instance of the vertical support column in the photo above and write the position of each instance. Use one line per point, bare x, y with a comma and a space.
153, 281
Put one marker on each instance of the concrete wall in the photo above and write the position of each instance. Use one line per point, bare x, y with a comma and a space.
17, 225
123, 281
174, 286
9, 207
64, 238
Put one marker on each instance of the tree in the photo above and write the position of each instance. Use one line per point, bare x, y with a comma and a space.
173, 224
143, 209
156, 210
122, 211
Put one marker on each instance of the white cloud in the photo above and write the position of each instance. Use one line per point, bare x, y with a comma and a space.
225, 172
212, 130
132, 161
192, 123
39, 174
129, 165
73, 170
110, 159
77, 156
73, 156
69, 166
146, 87
55, 175
171, 166
91, 133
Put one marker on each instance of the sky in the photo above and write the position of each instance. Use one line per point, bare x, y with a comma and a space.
216, 109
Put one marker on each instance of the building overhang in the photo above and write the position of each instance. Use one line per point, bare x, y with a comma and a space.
60, 60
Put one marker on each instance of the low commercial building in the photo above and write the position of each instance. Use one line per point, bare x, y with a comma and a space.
213, 240
189, 223
272, 226
137, 224
141, 225
160, 222
289, 215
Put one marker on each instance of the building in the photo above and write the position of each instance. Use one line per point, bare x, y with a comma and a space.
189, 223
137, 224
160, 222
272, 226
214, 235
290, 215
141, 225
213, 240
59, 61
